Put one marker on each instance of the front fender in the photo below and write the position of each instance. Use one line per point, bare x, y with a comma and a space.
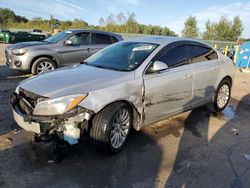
131, 92
44, 53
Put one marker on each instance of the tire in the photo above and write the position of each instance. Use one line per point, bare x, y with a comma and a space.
221, 100
45, 62
105, 126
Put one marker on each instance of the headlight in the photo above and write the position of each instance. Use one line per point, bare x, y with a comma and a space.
58, 105
19, 51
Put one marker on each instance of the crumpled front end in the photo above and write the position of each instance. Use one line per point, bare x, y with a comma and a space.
67, 126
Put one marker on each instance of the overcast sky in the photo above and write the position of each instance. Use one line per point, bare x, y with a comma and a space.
159, 12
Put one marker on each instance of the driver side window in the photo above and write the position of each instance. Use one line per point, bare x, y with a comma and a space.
175, 57
80, 39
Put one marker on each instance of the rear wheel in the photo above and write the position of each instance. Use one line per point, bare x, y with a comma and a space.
222, 95
111, 127
42, 65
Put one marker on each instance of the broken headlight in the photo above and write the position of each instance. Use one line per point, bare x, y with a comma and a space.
58, 105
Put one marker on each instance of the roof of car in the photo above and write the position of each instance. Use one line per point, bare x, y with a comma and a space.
164, 40
93, 31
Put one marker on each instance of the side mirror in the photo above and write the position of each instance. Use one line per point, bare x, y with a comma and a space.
68, 42
159, 66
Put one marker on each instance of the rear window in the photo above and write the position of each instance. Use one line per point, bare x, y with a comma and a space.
200, 54
101, 39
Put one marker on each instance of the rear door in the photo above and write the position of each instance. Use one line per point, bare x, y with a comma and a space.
204, 62
168, 92
78, 51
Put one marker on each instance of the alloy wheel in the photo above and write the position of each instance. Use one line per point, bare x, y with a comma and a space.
223, 96
120, 128
44, 67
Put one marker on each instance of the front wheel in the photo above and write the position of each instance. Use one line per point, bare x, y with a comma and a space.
222, 95
111, 127
42, 65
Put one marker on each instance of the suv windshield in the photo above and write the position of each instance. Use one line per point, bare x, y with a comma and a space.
122, 56
59, 36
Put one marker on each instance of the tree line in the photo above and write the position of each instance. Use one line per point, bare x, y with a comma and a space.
122, 23
224, 29
8, 16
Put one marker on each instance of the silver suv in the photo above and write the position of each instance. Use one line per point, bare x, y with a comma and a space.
127, 85
65, 48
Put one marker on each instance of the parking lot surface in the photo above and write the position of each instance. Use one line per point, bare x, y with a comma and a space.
195, 149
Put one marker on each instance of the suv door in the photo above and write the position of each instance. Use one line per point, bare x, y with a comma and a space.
205, 65
168, 92
100, 41
78, 51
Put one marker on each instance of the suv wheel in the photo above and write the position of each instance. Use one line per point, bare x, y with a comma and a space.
222, 95
111, 127
42, 65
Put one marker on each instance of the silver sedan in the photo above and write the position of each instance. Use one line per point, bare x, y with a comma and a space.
127, 85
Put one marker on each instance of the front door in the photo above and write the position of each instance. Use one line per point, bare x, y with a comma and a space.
168, 92
78, 51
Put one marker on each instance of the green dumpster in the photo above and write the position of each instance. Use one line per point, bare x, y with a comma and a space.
5, 36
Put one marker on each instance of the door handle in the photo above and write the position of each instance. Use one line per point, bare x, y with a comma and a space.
186, 76
89, 49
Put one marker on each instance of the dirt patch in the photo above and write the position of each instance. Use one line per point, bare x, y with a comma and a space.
2, 53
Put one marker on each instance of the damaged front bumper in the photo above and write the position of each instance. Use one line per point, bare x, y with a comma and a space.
69, 125
28, 126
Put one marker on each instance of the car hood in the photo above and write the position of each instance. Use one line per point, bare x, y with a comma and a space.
27, 44
78, 79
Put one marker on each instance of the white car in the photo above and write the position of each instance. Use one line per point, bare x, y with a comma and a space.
129, 84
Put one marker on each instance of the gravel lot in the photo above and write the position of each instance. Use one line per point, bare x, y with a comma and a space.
195, 149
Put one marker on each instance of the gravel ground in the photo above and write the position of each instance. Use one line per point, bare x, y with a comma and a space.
195, 149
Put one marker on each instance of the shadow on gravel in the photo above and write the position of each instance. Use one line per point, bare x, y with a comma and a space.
217, 162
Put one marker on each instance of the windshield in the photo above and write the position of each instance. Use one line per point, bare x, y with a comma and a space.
59, 36
122, 56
